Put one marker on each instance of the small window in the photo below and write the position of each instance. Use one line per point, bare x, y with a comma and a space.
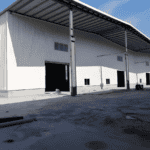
61, 47
119, 58
56, 46
87, 81
107, 81
140, 80
66, 48
147, 63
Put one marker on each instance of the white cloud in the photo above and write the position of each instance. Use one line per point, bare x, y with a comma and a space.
111, 6
141, 21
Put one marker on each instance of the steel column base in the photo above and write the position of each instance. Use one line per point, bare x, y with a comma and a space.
128, 85
73, 91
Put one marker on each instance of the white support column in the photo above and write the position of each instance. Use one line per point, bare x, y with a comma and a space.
73, 87
101, 85
137, 77
127, 62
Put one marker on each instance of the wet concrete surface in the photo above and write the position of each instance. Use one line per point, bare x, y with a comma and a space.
86, 122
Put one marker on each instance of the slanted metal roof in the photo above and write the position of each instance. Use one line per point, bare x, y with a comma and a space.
85, 18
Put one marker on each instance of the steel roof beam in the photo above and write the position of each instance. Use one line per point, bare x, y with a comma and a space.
57, 14
88, 11
36, 18
93, 27
68, 19
44, 9
100, 35
117, 32
91, 23
134, 36
63, 16
80, 17
93, 20
138, 34
60, 17
121, 38
51, 12
82, 21
144, 49
137, 43
138, 40
117, 39
102, 27
17, 3
28, 2
36, 6
108, 30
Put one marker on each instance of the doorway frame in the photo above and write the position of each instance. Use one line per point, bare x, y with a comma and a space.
149, 79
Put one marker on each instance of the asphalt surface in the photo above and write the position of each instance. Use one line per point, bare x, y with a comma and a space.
86, 122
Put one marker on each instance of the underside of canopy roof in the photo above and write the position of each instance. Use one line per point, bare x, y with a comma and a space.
85, 18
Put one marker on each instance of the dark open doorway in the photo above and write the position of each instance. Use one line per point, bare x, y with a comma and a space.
57, 77
147, 78
120, 76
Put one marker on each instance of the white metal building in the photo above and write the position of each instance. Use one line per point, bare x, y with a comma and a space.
35, 48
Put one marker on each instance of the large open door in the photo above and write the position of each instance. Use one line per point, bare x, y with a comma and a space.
57, 77
147, 78
120, 76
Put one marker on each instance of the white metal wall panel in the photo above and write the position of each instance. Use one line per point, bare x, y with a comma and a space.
133, 78
109, 73
31, 43
88, 72
3, 41
143, 77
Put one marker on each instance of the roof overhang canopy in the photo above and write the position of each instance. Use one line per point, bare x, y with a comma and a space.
85, 18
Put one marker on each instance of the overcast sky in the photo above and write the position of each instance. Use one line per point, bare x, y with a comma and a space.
135, 11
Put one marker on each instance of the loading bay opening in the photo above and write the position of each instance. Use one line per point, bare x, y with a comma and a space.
56, 77
120, 77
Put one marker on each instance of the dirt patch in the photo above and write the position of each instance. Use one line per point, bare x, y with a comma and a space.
94, 145
9, 141
145, 108
139, 131
109, 121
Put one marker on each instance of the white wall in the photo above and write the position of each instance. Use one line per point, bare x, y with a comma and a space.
3, 48
31, 43
92, 73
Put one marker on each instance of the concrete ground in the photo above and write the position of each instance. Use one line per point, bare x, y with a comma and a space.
119, 120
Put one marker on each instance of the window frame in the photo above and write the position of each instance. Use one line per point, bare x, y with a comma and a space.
118, 58
140, 80
61, 47
147, 63
86, 81
108, 81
